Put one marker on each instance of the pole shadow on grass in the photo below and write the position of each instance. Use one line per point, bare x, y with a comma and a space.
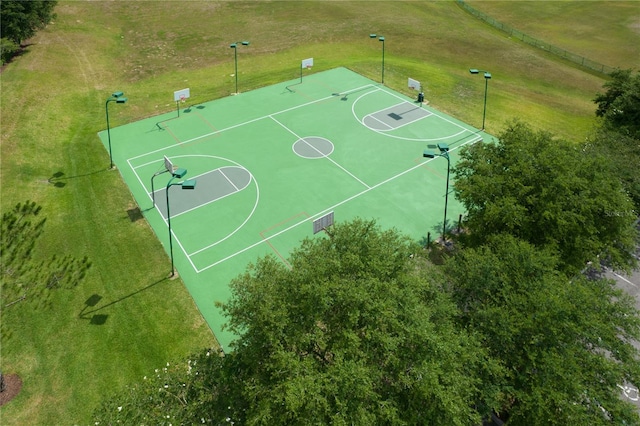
89, 310
58, 178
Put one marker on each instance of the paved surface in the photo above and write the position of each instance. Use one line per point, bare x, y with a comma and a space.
630, 283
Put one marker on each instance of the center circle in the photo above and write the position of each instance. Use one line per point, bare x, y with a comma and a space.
313, 147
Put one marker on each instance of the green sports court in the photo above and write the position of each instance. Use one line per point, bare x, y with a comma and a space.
269, 162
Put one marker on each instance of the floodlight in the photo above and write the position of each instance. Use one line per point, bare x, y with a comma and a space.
189, 184
179, 173
117, 94
474, 71
443, 147
429, 154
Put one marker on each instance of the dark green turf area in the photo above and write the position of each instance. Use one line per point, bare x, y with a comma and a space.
270, 161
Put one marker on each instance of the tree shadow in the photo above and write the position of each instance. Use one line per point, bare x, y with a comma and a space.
22, 50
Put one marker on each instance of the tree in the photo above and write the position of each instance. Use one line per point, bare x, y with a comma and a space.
566, 345
623, 153
20, 20
619, 106
24, 278
548, 192
352, 334
356, 332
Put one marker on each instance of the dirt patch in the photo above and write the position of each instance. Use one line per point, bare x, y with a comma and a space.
13, 384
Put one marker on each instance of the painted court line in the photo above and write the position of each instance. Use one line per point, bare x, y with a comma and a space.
330, 208
372, 116
624, 279
229, 180
355, 115
434, 113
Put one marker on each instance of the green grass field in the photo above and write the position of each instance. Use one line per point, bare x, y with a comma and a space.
53, 107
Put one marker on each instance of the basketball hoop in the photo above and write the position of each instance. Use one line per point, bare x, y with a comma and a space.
182, 98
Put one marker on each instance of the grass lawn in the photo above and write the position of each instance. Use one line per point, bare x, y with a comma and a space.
53, 104
590, 29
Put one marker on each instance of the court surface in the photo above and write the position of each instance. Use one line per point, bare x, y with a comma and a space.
269, 162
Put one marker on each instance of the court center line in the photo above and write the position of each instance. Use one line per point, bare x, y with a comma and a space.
327, 157
330, 208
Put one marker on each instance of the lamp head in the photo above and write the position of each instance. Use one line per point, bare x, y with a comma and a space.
233, 45
429, 154
189, 184
372, 36
474, 71
245, 43
179, 173
121, 100
117, 94
381, 39
487, 75
443, 147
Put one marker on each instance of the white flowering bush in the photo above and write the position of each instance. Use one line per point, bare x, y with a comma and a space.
175, 394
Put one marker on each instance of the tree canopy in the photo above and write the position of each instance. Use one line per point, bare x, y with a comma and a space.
357, 332
565, 345
619, 106
352, 334
548, 192
19, 20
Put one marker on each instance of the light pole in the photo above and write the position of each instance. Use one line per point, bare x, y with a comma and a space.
487, 76
382, 40
119, 99
444, 152
187, 184
234, 46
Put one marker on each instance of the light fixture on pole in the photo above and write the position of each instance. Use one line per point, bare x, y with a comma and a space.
444, 152
187, 184
116, 97
382, 40
234, 46
487, 76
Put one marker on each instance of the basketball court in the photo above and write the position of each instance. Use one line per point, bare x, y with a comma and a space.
269, 163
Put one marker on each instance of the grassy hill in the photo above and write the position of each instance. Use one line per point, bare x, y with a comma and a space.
53, 104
